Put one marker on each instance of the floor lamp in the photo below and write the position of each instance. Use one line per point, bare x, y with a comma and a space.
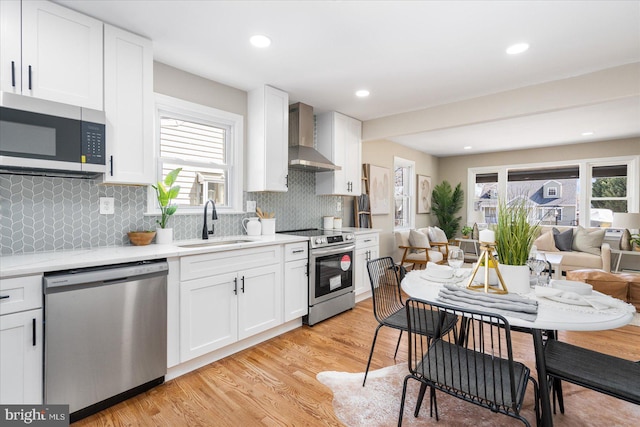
626, 221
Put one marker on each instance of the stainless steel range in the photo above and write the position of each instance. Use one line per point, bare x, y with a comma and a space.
331, 286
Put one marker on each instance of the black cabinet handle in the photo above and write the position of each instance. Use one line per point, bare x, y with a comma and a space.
111, 165
298, 251
235, 286
5, 296
286, 181
29, 77
243, 284
34, 331
13, 73
307, 273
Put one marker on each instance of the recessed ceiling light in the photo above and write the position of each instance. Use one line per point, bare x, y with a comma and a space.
589, 133
468, 147
517, 48
362, 93
260, 41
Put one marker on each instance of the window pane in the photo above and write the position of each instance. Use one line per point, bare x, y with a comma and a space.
608, 194
189, 141
198, 184
485, 198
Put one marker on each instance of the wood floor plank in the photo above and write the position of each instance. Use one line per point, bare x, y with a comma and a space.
274, 383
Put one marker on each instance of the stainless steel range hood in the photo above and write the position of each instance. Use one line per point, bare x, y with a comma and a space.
302, 155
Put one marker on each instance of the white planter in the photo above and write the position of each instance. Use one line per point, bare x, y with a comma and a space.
516, 278
164, 236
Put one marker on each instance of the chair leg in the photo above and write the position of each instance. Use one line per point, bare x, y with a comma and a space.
397, 345
423, 389
373, 344
404, 394
557, 394
434, 403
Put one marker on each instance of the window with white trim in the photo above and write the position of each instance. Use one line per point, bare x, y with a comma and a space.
207, 144
404, 179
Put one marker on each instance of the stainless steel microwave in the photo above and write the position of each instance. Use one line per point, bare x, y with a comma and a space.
39, 137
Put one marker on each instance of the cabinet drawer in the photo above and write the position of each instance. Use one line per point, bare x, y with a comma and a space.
20, 293
366, 240
196, 266
296, 251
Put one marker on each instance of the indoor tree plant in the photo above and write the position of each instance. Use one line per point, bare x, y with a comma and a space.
515, 231
166, 191
445, 204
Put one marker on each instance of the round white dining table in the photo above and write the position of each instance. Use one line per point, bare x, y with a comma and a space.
550, 317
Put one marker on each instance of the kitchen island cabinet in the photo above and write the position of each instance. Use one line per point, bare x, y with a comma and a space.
50, 52
21, 340
267, 140
228, 296
128, 107
339, 140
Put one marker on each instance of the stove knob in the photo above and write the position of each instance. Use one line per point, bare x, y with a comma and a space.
318, 240
348, 236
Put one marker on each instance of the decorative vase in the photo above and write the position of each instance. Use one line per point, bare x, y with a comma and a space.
493, 276
516, 278
164, 236
475, 233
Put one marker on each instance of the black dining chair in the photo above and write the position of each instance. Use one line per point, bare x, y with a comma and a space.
388, 306
473, 362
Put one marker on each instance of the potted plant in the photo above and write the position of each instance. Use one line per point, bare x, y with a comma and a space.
466, 231
635, 241
515, 232
445, 204
166, 191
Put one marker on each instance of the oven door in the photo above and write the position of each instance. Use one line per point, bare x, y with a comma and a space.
331, 273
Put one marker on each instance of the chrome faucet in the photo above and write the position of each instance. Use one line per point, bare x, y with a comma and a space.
214, 216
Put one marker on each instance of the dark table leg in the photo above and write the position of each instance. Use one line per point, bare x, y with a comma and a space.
545, 401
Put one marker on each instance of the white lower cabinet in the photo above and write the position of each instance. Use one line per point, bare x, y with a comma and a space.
21, 340
228, 296
367, 248
296, 280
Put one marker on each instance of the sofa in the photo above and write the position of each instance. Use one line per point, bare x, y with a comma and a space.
581, 248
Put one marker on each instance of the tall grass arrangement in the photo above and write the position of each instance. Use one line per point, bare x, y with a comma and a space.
516, 229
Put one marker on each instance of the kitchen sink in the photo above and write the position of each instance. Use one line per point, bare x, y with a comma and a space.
214, 243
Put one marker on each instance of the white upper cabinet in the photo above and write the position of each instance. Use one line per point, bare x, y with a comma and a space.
128, 106
339, 140
51, 52
268, 140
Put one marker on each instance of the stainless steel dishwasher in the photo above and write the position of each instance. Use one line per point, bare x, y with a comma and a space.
105, 334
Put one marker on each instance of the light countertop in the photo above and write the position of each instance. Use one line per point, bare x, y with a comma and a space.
40, 262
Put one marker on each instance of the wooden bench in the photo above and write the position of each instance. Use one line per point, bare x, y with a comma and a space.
606, 374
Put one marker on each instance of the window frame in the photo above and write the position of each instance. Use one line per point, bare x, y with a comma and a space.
401, 162
208, 115
584, 193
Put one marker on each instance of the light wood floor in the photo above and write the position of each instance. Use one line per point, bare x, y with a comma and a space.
273, 383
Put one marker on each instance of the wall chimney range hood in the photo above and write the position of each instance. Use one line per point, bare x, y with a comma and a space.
302, 155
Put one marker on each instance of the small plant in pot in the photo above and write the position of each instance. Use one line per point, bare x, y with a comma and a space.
166, 191
635, 241
466, 231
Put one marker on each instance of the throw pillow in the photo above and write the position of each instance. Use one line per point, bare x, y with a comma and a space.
588, 241
437, 235
419, 240
546, 242
563, 239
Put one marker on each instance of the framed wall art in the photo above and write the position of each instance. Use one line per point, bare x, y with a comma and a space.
380, 189
424, 194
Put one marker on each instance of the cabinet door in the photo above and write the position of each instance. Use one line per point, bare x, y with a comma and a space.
268, 140
61, 55
353, 155
10, 47
208, 314
260, 300
21, 353
296, 289
128, 106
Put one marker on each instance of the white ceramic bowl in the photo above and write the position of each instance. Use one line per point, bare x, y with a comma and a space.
579, 288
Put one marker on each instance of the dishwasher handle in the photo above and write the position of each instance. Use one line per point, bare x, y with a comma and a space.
106, 274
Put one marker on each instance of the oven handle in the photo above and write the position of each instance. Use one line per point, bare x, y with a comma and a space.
332, 251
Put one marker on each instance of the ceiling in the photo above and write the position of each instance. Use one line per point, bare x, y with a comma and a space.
410, 55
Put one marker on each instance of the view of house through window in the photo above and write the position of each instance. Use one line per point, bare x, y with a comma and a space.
200, 150
555, 192
404, 178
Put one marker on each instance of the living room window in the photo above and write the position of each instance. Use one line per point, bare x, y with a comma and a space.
206, 143
404, 178
609, 193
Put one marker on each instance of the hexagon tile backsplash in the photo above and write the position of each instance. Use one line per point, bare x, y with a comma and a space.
47, 214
